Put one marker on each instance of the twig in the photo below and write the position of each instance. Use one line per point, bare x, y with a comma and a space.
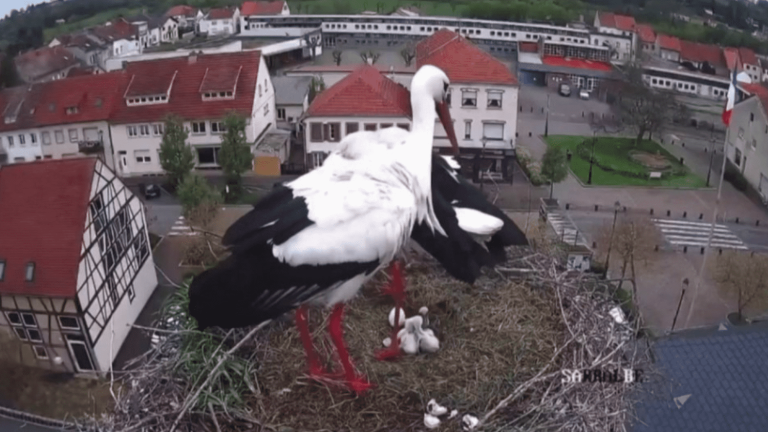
213, 416
194, 396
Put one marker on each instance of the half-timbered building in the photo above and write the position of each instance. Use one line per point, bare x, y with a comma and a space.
76, 266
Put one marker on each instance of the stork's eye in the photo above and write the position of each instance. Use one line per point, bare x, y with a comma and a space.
445, 86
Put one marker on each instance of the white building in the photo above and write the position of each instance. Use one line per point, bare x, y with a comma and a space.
221, 21
59, 119
751, 64
201, 89
748, 138
255, 9
74, 275
188, 17
291, 100
617, 32
673, 77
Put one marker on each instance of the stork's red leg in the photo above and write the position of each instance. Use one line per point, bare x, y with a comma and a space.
315, 369
397, 290
356, 383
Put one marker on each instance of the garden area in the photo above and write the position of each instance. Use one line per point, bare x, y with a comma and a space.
622, 162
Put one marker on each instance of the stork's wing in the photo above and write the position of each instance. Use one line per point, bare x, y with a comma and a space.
349, 212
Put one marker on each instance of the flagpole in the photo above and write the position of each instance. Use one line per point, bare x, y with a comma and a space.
714, 219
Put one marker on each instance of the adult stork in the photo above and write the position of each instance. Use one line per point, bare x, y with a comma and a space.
475, 231
319, 238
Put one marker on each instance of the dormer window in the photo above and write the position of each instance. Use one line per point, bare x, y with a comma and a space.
2, 270
71, 110
29, 272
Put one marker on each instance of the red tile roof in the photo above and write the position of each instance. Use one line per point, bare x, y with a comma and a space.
46, 230
364, 92
157, 83
731, 58
45, 104
577, 63
759, 91
531, 47
250, 8
36, 64
748, 56
221, 13
646, 33
699, 53
667, 42
182, 10
621, 22
221, 78
185, 99
115, 30
461, 60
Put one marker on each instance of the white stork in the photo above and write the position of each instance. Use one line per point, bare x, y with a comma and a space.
319, 238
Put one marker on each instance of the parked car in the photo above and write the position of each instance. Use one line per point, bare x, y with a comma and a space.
564, 90
583, 94
152, 191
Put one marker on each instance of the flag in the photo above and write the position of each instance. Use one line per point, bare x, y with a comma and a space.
731, 100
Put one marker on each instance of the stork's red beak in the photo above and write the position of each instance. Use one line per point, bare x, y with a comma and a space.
445, 118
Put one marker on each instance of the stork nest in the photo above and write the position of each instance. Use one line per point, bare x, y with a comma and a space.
504, 342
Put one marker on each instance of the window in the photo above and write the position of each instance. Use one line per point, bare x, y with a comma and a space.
33, 138
259, 90
22, 139
158, 129
218, 127
352, 127
69, 323
29, 272
467, 129
34, 335
40, 352
198, 127
386, 125
281, 113
144, 130
266, 109
737, 158
370, 127
493, 131
10, 141
132, 131
315, 132
29, 319
754, 144
332, 132
494, 99
59, 135
21, 333
751, 118
405, 126
46, 138
13, 318
2, 270
72, 135
142, 156
448, 97
469, 98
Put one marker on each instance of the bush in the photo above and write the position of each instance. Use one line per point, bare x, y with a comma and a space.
531, 168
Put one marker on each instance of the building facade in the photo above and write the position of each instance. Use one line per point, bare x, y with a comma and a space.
71, 281
249, 27
747, 147
221, 21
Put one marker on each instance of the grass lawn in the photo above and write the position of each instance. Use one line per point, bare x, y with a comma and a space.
614, 152
99, 18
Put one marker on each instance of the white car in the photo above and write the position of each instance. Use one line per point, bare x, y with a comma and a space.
583, 94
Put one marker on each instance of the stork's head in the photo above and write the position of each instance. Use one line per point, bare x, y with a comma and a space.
431, 82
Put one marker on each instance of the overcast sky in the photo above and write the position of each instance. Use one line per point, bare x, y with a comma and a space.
7, 6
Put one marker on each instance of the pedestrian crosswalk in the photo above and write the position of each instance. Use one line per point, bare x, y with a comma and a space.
565, 230
181, 228
688, 233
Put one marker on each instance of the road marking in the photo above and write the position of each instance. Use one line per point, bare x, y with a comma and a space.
687, 233
565, 230
181, 228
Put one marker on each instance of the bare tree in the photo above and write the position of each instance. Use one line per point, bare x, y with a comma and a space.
337, 57
642, 108
633, 240
312, 41
744, 276
408, 54
370, 57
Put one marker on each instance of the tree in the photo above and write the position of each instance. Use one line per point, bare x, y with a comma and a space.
744, 276
642, 108
634, 240
200, 205
176, 157
312, 41
369, 57
8, 75
553, 167
235, 155
408, 54
337, 57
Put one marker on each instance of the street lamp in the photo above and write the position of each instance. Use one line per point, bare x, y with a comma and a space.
592, 157
616, 206
674, 321
546, 122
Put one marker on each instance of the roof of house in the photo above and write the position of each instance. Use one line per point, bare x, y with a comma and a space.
45, 104
182, 10
250, 8
47, 230
646, 33
757, 90
700, 53
185, 78
710, 379
461, 60
731, 58
748, 56
43, 61
575, 63
668, 42
364, 92
82, 41
621, 22
291, 90
221, 13
115, 30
